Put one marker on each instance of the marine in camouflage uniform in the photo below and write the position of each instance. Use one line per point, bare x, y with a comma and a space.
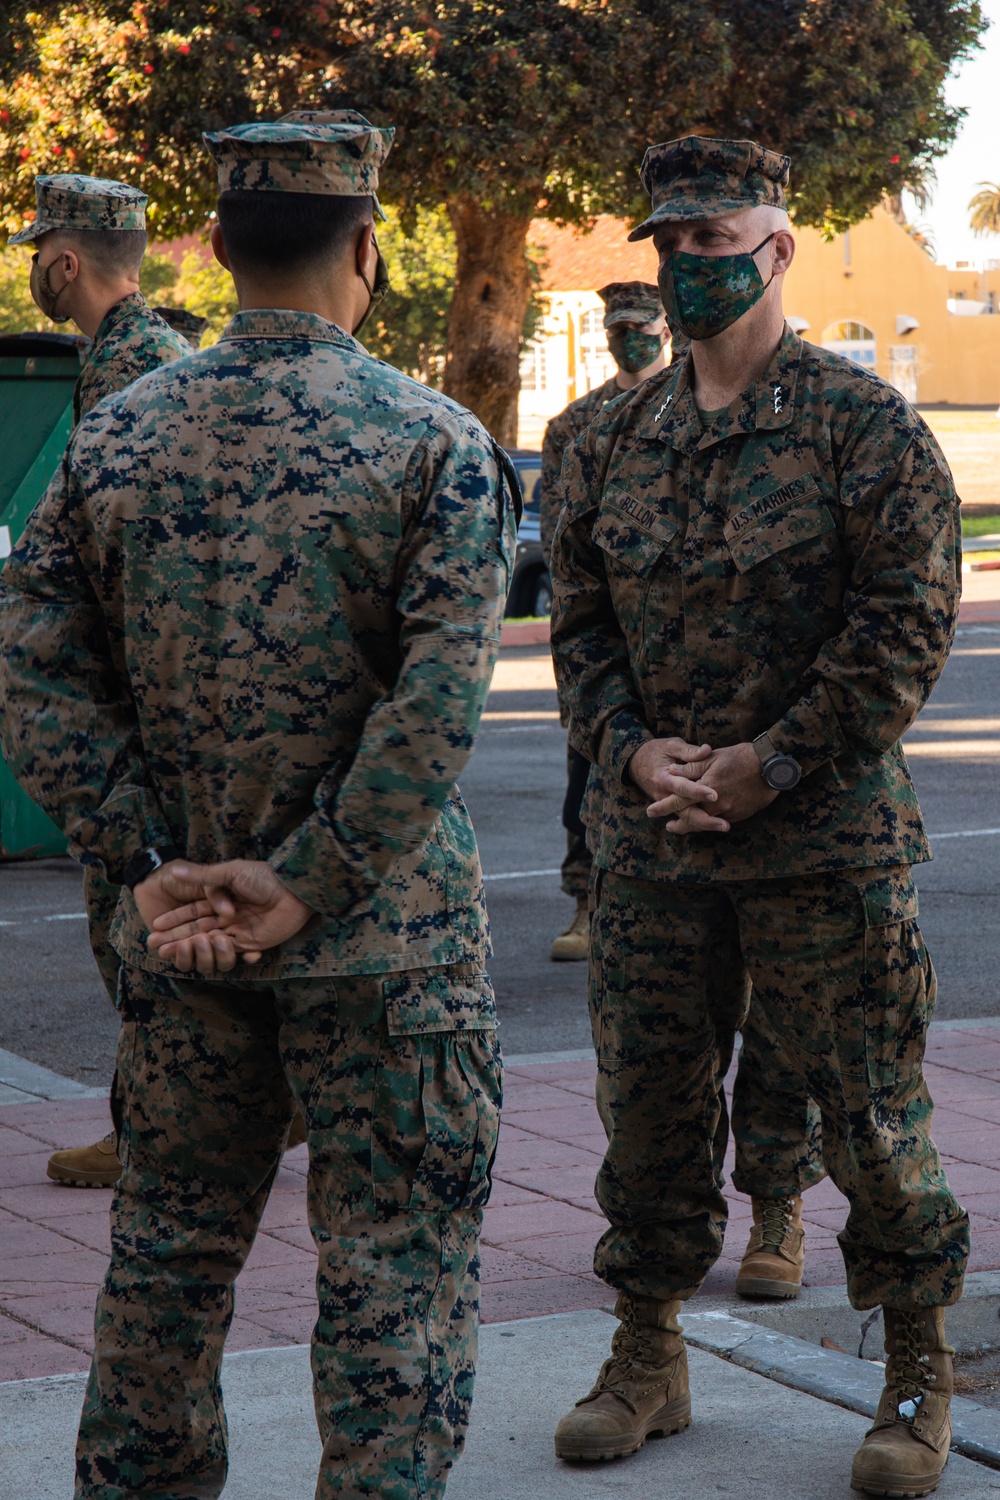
786, 574
278, 647
131, 341
632, 308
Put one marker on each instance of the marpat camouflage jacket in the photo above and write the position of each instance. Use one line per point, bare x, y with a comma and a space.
256, 615
795, 569
131, 341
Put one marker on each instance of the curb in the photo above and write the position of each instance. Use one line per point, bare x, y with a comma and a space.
839, 1378
25, 1082
824, 1312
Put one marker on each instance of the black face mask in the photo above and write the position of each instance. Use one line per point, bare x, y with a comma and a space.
377, 292
42, 295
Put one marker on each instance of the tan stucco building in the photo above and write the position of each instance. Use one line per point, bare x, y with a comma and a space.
873, 294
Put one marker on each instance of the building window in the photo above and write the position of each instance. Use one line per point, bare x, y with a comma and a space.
595, 356
853, 340
903, 370
991, 303
533, 373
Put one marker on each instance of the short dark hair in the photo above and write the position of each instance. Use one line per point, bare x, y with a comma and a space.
112, 252
286, 231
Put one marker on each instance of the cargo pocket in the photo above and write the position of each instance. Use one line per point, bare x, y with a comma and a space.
898, 980
438, 1094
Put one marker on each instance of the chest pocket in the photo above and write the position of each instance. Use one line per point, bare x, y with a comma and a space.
800, 520
631, 546
790, 559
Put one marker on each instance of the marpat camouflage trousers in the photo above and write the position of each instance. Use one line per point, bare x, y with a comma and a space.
776, 1126
402, 1118
842, 978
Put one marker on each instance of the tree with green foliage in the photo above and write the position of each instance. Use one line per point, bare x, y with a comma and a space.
506, 110
410, 328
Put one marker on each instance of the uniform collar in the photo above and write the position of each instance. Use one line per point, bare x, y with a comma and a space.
287, 323
127, 308
672, 416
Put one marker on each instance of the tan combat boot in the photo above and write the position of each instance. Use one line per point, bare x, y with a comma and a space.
98, 1165
87, 1166
906, 1450
776, 1252
642, 1390
574, 944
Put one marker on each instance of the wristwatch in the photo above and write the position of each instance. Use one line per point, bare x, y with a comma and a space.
780, 772
143, 864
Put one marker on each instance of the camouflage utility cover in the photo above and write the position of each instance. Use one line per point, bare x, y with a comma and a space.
131, 341
190, 324
256, 615
69, 201
698, 177
793, 568
309, 151
630, 302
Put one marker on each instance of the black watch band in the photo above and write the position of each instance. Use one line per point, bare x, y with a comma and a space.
142, 864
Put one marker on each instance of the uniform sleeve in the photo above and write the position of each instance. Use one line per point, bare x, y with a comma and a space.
588, 648
550, 494
903, 536
69, 728
453, 575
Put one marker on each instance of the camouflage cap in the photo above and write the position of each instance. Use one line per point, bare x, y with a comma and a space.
630, 302
308, 151
181, 321
68, 201
698, 177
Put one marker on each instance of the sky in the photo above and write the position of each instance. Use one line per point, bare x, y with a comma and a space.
975, 156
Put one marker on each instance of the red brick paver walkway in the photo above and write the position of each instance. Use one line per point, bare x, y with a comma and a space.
540, 1228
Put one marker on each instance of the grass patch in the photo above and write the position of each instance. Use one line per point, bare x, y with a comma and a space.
981, 525
526, 619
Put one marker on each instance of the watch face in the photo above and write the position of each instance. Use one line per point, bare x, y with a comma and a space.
782, 773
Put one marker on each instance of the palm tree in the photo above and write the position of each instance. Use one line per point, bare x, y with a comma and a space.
984, 209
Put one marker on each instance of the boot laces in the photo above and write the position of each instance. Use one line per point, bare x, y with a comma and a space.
775, 1221
911, 1374
631, 1344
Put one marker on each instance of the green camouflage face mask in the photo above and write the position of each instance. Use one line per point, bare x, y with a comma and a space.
704, 294
632, 350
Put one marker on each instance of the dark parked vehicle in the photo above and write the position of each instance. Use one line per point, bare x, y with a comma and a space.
531, 587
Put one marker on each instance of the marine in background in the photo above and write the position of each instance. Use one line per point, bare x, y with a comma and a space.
639, 342
89, 240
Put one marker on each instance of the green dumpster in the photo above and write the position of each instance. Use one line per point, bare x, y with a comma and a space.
37, 375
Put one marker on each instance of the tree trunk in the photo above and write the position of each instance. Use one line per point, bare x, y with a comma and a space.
492, 288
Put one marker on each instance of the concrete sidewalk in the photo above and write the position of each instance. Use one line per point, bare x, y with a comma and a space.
750, 1437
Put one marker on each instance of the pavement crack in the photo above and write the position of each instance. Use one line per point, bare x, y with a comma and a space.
868, 1324
45, 1333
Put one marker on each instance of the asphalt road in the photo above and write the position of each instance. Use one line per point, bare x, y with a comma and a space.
53, 1008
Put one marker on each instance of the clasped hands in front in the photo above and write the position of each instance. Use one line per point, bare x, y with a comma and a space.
210, 917
700, 790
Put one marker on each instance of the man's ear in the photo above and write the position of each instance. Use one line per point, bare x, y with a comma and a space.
784, 252
219, 246
70, 264
363, 248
